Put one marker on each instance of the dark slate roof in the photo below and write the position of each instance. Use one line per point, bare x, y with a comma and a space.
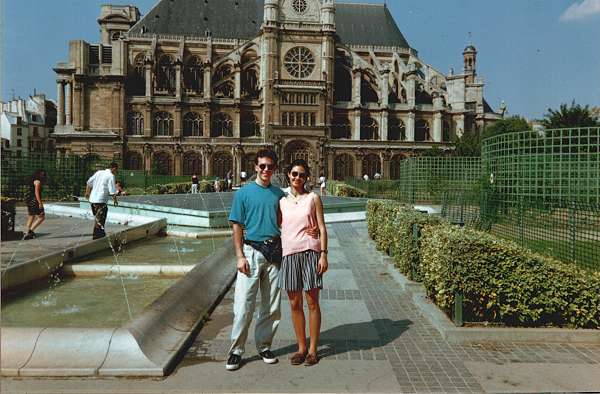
367, 24
487, 109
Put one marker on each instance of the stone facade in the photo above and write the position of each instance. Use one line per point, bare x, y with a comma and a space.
186, 103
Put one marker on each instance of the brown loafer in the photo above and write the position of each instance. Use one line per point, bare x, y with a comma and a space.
298, 358
311, 359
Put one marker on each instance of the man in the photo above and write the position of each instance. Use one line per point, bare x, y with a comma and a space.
101, 185
255, 208
323, 185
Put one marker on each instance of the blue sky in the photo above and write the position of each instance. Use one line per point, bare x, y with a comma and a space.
533, 54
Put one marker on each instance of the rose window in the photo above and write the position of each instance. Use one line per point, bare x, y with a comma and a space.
299, 6
299, 62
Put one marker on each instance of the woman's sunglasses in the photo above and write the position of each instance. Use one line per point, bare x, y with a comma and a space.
296, 174
268, 167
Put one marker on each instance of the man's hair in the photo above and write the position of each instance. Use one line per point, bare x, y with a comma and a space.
299, 163
114, 164
266, 153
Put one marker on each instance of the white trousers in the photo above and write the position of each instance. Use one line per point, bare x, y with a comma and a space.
263, 276
194, 188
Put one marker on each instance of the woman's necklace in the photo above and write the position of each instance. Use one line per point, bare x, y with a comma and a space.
296, 198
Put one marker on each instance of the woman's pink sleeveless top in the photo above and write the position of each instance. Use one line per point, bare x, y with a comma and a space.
296, 218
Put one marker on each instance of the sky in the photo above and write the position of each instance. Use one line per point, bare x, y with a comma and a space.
533, 54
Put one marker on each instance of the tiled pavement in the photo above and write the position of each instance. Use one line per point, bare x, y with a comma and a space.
420, 359
374, 339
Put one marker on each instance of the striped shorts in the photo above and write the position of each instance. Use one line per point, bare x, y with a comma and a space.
299, 271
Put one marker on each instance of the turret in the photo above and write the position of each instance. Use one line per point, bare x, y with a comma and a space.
328, 15
271, 12
116, 19
470, 60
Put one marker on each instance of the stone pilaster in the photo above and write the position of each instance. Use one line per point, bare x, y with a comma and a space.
60, 97
356, 127
410, 127
437, 127
68, 103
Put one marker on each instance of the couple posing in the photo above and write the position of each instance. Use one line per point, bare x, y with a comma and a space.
293, 259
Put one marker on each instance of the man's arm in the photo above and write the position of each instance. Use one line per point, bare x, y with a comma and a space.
238, 244
112, 189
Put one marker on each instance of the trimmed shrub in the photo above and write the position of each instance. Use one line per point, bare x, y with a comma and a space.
390, 225
344, 190
180, 188
504, 283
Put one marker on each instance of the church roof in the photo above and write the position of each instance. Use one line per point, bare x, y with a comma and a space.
363, 24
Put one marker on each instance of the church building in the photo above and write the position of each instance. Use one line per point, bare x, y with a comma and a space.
198, 86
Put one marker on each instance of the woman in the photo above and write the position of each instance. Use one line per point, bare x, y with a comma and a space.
304, 259
35, 206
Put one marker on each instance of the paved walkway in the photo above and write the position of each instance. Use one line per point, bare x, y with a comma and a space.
55, 234
374, 340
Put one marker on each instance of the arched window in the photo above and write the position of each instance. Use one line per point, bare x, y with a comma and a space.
165, 75
192, 125
193, 76
222, 164
135, 123
343, 167
342, 84
192, 163
223, 82
422, 130
341, 128
222, 125
396, 130
394, 95
371, 165
163, 124
162, 164
446, 136
250, 84
368, 93
136, 85
250, 125
395, 166
134, 161
369, 129
297, 149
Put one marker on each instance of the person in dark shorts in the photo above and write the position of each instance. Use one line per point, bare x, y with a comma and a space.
35, 205
99, 187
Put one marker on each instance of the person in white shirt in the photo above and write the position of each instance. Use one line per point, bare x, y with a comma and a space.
98, 188
323, 185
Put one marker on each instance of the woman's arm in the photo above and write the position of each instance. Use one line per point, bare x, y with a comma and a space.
323, 263
38, 192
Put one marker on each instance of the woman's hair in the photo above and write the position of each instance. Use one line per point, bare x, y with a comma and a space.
38, 175
301, 163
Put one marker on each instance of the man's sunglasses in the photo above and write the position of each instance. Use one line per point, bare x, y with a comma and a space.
296, 174
268, 167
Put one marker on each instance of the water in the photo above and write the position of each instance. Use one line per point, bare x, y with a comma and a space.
86, 303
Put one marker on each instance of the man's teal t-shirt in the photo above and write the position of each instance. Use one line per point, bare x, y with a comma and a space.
255, 207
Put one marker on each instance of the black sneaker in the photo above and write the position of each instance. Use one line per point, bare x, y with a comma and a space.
233, 362
29, 235
268, 356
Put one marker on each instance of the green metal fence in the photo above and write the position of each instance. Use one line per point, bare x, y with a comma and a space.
65, 177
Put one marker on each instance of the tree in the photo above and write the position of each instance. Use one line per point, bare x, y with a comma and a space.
567, 117
468, 145
433, 152
512, 124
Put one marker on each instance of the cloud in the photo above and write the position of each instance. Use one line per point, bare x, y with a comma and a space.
580, 11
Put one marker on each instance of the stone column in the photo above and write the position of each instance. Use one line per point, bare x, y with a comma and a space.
178, 80
437, 127
148, 158
177, 160
356, 129
330, 162
356, 86
207, 81
206, 123
238, 158
60, 98
148, 121
68, 103
411, 89
358, 166
385, 164
237, 74
410, 127
177, 121
77, 106
148, 71
383, 126
236, 123
460, 125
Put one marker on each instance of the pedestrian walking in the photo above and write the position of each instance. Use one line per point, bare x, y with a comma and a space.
98, 189
35, 205
195, 183
229, 181
323, 185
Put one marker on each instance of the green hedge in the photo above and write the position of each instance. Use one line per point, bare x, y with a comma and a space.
340, 189
180, 188
390, 225
502, 282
